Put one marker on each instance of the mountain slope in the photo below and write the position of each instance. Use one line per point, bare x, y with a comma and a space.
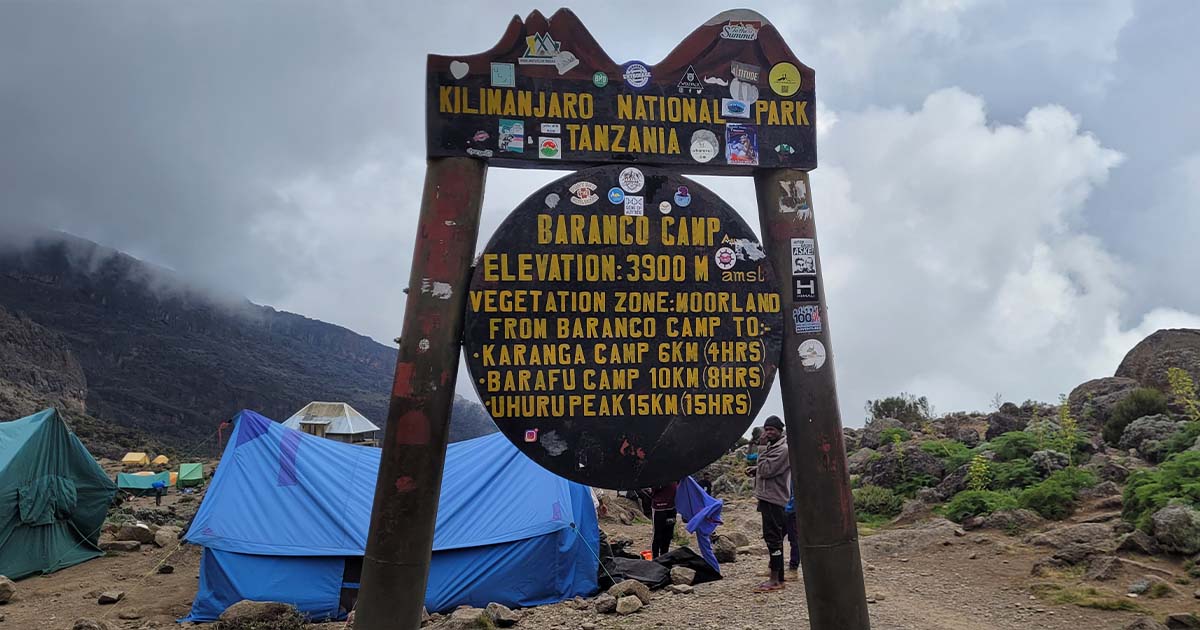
174, 361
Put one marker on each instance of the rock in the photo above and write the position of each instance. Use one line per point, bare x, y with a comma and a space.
1004, 421
680, 589
1101, 490
1137, 587
247, 612
968, 436
1147, 434
913, 512
856, 463
166, 536
683, 575
128, 615
1091, 403
120, 545
1102, 568
605, 603
1076, 553
871, 434
1013, 522
929, 496
895, 465
973, 522
465, 618
1139, 541
931, 533
110, 597
628, 605
1107, 469
501, 615
1182, 620
165, 569
1176, 528
137, 531
952, 484
1148, 361
90, 624
737, 538
1145, 623
1046, 462
850, 439
724, 550
8, 588
1099, 534
630, 587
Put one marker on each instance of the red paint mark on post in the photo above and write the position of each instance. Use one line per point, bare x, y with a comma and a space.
412, 428
402, 386
405, 484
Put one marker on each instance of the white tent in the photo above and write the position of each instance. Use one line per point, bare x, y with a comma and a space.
334, 420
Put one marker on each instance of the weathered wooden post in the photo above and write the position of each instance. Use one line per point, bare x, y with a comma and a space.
624, 325
828, 531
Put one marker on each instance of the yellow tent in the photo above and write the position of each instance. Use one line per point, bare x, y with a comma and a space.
174, 477
161, 460
135, 459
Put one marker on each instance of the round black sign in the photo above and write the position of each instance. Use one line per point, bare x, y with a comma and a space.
623, 327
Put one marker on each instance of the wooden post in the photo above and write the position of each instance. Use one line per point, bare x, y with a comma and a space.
400, 541
828, 531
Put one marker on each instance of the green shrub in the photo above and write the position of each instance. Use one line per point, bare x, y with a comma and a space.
877, 501
1013, 445
970, 503
1016, 474
906, 408
979, 474
1055, 497
1182, 440
911, 483
952, 452
1148, 491
1142, 401
890, 435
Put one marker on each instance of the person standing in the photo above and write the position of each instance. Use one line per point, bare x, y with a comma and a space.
792, 534
662, 502
159, 489
772, 477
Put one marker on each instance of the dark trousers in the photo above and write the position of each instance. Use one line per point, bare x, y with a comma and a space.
664, 530
794, 561
774, 524
158, 496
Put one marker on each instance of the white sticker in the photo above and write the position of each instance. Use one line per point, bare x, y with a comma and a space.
665, 207
632, 180
812, 354
635, 206
459, 69
552, 200
794, 198
725, 258
716, 81
733, 108
743, 91
551, 128
704, 146
583, 193
564, 61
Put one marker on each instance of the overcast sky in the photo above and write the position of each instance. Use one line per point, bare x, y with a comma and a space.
1006, 200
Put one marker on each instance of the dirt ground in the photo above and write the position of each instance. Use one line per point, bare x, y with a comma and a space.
923, 577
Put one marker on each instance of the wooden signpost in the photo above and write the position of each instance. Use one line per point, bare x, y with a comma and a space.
624, 324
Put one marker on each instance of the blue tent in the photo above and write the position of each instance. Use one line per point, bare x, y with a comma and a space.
286, 517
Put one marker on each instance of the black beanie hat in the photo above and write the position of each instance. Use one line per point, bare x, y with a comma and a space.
774, 421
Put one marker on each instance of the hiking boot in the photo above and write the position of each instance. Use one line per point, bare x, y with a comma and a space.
770, 586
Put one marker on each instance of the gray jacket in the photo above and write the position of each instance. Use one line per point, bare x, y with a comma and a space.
773, 476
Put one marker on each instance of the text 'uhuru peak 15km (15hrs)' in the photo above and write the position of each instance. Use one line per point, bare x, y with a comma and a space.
623, 326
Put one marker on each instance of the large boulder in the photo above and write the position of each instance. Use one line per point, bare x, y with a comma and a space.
1149, 360
1046, 462
1099, 534
952, 483
90, 624
1092, 403
1144, 623
897, 465
914, 511
1147, 434
968, 436
606, 603
629, 604
1176, 528
1107, 468
724, 549
135, 531
851, 438
871, 434
857, 462
1183, 621
1005, 420
1016, 521
501, 615
465, 619
1139, 541
683, 575
630, 587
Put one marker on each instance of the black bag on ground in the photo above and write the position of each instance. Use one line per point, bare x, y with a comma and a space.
685, 557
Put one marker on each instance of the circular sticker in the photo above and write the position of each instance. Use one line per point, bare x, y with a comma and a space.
665, 207
636, 74
784, 78
616, 195
705, 145
632, 180
599, 79
682, 197
725, 258
812, 354
552, 200
624, 357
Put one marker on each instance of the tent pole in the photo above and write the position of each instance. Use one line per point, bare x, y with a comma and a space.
400, 541
828, 531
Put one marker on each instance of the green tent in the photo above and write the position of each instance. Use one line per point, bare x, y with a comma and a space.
190, 475
55, 496
142, 484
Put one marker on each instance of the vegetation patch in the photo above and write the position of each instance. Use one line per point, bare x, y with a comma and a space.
970, 503
911, 410
1055, 497
1085, 596
1148, 491
1143, 401
952, 452
875, 501
1013, 445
